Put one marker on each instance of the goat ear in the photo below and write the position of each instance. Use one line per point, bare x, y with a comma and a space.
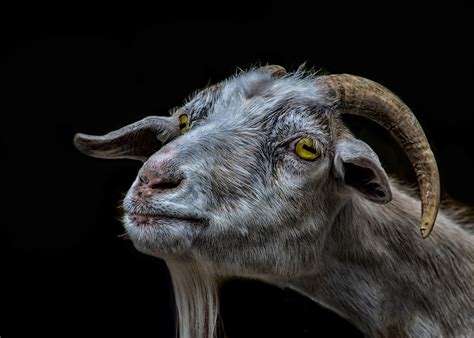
358, 165
137, 141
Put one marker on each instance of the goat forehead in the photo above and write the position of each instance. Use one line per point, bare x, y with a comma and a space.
258, 94
256, 99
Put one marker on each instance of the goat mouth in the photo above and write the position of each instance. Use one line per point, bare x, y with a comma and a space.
151, 219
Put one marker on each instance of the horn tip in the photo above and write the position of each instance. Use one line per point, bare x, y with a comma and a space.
426, 228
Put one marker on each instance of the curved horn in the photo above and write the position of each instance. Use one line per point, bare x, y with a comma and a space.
359, 96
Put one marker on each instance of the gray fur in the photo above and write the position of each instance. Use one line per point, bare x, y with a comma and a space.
254, 209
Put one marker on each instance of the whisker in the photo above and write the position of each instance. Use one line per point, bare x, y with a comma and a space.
124, 236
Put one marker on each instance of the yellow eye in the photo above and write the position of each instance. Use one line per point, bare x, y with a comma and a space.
183, 123
306, 149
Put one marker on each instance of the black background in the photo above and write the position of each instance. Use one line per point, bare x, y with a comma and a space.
64, 267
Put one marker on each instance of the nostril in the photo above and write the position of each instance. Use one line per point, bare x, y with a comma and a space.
143, 179
164, 184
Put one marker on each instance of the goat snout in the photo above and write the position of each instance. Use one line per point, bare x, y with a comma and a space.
148, 186
159, 174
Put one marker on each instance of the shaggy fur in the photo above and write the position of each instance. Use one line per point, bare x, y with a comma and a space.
336, 229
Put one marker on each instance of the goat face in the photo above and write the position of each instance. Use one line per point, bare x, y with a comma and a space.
246, 175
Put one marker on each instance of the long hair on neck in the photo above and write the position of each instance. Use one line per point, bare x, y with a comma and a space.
197, 298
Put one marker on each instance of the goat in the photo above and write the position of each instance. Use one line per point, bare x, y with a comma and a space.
258, 177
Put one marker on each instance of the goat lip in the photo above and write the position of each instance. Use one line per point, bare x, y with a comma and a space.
144, 219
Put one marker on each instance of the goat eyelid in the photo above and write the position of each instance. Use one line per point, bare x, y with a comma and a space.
291, 141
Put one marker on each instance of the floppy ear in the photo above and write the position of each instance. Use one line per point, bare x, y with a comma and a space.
358, 165
137, 141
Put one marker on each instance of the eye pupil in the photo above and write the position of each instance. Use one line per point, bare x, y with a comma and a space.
182, 125
308, 148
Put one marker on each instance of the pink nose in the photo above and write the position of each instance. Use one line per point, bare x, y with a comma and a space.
158, 175
157, 185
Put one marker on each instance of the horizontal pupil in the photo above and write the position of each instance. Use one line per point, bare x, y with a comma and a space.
308, 148
182, 125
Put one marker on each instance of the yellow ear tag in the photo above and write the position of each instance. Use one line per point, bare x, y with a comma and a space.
183, 123
305, 149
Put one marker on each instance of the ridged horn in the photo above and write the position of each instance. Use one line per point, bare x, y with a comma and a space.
349, 94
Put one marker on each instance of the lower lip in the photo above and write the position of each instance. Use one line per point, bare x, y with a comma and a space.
150, 220
144, 219
158, 220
